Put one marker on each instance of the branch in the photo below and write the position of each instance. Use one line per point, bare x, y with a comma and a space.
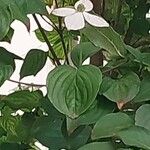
28, 84
47, 41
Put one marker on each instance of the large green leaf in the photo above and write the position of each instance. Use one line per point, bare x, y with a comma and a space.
111, 124
5, 73
23, 99
144, 92
82, 51
106, 38
142, 117
124, 89
33, 63
98, 146
72, 90
136, 136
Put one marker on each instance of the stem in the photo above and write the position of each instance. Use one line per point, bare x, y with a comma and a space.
64, 47
47, 41
28, 84
60, 32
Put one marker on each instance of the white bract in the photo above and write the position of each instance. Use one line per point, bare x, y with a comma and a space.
74, 18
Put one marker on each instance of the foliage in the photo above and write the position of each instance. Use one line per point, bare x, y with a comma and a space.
86, 107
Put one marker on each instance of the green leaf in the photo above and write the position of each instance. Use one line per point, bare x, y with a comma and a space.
23, 99
98, 109
124, 89
50, 109
79, 137
20, 9
143, 58
98, 146
7, 58
82, 51
136, 136
110, 125
48, 132
142, 117
4, 22
5, 73
106, 38
144, 92
72, 90
34, 6
33, 63
55, 40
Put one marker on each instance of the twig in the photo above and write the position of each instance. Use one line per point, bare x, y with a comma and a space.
28, 84
47, 41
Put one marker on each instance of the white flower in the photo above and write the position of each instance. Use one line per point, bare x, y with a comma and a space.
75, 17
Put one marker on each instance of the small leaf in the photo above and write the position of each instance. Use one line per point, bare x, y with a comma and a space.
142, 117
98, 146
33, 63
136, 136
71, 90
82, 51
111, 124
124, 89
23, 100
106, 38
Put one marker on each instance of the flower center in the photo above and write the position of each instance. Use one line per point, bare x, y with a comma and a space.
80, 8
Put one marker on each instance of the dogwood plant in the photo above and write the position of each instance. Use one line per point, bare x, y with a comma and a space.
75, 17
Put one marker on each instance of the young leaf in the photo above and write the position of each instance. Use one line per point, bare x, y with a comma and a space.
106, 38
71, 90
33, 63
110, 125
82, 51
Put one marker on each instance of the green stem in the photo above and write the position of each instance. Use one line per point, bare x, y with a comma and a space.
47, 41
60, 32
